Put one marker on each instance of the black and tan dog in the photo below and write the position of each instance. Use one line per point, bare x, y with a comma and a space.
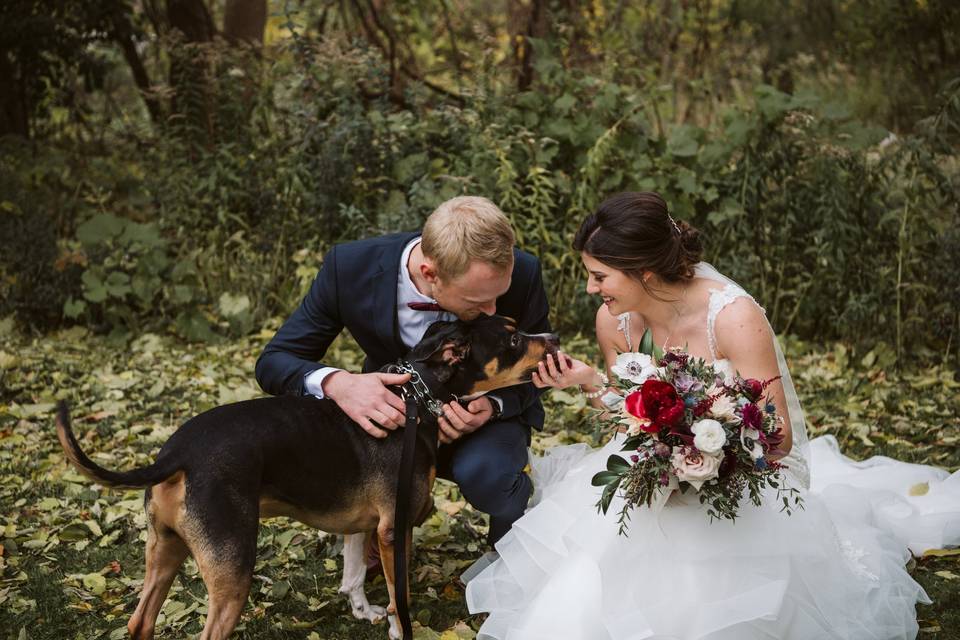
303, 458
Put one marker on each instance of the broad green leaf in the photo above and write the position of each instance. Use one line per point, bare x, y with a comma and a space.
74, 308
683, 141
100, 228
603, 478
617, 464
94, 289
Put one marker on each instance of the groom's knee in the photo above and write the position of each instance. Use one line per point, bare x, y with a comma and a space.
490, 488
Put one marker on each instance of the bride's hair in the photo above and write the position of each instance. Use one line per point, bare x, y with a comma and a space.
633, 232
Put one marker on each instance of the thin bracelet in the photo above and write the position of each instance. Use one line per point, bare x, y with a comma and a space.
604, 381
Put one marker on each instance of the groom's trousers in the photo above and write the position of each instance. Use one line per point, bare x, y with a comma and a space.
488, 466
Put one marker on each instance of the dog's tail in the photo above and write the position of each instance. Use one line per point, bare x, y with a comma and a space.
145, 477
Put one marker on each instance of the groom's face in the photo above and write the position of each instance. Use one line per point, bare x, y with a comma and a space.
474, 292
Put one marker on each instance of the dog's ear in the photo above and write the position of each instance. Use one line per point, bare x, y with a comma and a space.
432, 341
440, 338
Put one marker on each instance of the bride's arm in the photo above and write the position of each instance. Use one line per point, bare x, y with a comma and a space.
745, 339
611, 342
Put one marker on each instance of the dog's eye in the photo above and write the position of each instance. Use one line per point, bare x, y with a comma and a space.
515, 340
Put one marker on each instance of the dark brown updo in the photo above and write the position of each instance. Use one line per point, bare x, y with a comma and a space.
633, 232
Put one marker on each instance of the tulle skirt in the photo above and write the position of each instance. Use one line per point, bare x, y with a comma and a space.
835, 569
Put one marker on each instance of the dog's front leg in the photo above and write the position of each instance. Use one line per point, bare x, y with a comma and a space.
354, 572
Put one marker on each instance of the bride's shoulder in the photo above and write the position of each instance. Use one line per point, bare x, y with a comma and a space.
740, 322
606, 319
609, 333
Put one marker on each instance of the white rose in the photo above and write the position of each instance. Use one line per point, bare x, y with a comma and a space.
635, 367
709, 436
694, 467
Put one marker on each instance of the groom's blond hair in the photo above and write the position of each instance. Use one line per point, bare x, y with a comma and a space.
465, 229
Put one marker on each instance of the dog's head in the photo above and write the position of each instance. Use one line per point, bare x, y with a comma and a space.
470, 358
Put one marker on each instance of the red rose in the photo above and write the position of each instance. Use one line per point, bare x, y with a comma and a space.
633, 404
661, 403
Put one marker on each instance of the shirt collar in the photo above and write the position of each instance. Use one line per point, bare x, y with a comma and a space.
408, 290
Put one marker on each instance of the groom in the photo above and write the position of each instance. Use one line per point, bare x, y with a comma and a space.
386, 291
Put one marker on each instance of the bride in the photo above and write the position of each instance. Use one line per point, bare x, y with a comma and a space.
835, 569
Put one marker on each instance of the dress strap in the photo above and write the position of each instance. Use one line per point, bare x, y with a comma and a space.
720, 298
623, 326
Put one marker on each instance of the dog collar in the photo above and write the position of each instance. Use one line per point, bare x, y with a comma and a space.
417, 388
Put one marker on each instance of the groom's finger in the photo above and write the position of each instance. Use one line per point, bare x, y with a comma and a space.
447, 432
480, 405
458, 416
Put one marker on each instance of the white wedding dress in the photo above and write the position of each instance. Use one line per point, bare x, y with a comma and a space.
835, 569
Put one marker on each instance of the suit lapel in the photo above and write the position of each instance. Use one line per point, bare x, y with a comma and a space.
385, 321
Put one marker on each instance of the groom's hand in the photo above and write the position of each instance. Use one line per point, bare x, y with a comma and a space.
364, 397
458, 421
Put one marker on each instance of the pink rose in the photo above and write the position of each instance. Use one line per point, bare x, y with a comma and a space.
692, 466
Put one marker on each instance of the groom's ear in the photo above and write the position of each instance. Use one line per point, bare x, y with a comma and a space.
428, 270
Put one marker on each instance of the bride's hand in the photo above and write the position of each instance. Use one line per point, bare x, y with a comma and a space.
563, 371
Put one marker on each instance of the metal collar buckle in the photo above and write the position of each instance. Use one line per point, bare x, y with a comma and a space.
418, 388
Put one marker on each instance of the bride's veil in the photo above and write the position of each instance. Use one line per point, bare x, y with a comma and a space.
797, 461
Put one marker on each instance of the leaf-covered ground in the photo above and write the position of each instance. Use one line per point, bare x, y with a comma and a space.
71, 557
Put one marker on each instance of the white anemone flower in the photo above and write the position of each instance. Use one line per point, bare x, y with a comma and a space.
635, 367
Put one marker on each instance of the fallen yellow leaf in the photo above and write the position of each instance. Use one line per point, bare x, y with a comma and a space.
919, 489
941, 552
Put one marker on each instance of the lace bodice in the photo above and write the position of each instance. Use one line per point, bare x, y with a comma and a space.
623, 326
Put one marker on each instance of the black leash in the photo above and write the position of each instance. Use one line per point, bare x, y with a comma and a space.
414, 392
401, 519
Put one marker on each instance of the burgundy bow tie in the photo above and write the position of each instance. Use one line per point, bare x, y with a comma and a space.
425, 306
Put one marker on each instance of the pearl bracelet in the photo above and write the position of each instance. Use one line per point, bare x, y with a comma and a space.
604, 381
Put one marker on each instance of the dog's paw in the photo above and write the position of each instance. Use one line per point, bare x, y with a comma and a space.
370, 613
394, 633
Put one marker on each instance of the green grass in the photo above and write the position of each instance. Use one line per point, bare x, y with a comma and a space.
59, 535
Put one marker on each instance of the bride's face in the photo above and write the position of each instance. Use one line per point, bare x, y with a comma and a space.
619, 291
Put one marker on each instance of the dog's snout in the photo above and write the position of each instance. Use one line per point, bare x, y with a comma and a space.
551, 343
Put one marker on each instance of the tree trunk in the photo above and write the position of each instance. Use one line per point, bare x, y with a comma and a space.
13, 112
128, 46
192, 19
245, 21
192, 103
527, 20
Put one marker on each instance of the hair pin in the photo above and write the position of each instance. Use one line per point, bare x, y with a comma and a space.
675, 225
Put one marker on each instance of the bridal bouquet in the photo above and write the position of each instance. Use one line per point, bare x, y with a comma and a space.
689, 428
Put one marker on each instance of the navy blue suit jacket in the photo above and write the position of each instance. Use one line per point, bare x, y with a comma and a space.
356, 289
